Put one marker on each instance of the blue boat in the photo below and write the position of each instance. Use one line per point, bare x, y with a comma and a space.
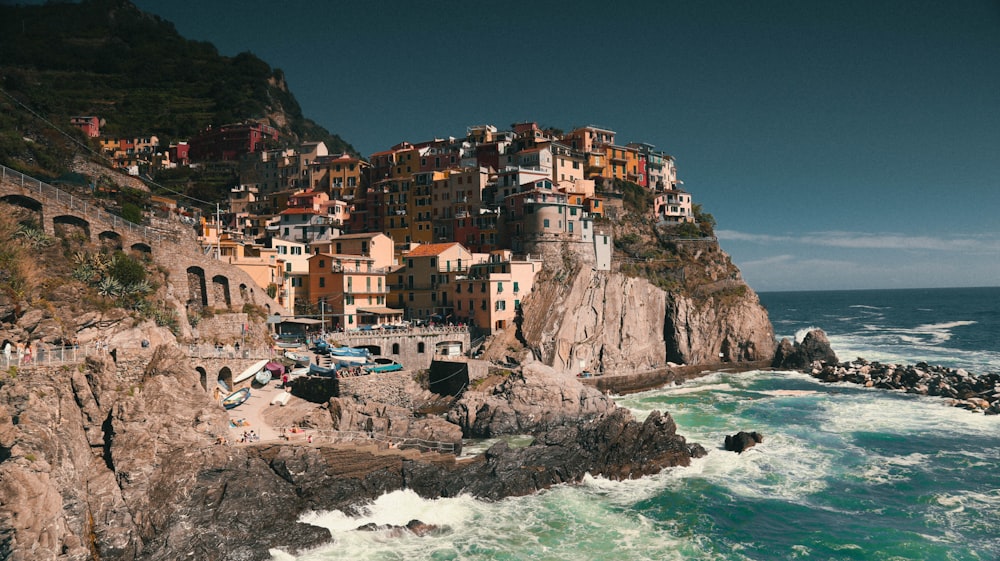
317, 370
379, 368
349, 351
236, 398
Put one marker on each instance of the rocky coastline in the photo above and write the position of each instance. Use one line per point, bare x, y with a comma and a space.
813, 355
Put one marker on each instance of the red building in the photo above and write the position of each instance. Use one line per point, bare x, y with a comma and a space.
91, 126
229, 142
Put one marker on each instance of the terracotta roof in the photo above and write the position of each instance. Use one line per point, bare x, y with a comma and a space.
297, 210
429, 249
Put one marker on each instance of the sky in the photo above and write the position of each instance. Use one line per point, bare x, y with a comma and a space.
839, 145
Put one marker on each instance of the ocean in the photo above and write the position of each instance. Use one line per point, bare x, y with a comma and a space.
844, 472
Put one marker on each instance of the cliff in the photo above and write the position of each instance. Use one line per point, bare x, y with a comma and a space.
612, 322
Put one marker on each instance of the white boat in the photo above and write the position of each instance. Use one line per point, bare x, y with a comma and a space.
349, 361
250, 372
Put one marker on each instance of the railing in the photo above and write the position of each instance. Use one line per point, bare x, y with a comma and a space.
428, 330
76, 203
50, 355
361, 437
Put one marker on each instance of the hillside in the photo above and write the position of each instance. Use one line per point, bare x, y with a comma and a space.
107, 58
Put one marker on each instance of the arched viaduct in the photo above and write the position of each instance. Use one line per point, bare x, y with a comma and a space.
205, 282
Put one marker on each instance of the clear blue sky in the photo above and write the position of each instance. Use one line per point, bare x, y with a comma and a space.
848, 144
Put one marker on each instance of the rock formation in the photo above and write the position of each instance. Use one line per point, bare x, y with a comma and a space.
814, 347
742, 441
608, 322
974, 392
529, 400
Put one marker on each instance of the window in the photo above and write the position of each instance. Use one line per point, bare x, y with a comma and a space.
516, 289
395, 348
322, 282
434, 262
501, 305
296, 250
459, 305
322, 263
339, 250
288, 267
499, 287
420, 347
545, 223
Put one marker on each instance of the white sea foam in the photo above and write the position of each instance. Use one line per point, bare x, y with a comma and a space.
566, 523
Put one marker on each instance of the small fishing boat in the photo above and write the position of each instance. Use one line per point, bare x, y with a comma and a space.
250, 372
296, 372
236, 398
379, 368
263, 377
317, 370
349, 351
300, 359
289, 344
275, 368
349, 361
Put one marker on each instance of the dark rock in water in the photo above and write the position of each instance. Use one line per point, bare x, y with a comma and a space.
814, 347
743, 440
415, 527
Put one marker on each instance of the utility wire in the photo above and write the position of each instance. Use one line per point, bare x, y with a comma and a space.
99, 155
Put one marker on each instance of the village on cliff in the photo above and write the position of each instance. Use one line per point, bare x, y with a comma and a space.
441, 231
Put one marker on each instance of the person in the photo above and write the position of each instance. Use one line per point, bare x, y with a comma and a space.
27, 353
310, 439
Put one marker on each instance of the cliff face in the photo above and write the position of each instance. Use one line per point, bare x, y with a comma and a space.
615, 323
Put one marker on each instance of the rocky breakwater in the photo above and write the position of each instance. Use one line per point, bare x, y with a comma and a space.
974, 392
815, 356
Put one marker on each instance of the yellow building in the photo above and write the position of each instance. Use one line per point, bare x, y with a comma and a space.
425, 279
490, 294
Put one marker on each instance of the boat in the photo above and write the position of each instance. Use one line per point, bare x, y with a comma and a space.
296, 372
300, 359
379, 368
317, 370
281, 399
289, 344
250, 372
263, 377
350, 361
224, 386
236, 398
275, 368
349, 351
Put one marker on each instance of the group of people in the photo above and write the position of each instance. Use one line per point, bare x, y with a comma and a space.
250, 436
24, 352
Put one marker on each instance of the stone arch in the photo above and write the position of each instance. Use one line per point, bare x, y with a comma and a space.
67, 225
395, 348
203, 377
225, 376
110, 239
197, 292
375, 350
140, 247
243, 292
24, 202
220, 291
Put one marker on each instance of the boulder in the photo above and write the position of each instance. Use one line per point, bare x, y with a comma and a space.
814, 347
742, 441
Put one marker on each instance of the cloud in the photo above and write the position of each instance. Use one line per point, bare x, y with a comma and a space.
872, 240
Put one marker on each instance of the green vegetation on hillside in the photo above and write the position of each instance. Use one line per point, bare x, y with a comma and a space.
109, 59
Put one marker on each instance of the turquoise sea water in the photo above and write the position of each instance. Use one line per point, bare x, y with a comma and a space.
843, 473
